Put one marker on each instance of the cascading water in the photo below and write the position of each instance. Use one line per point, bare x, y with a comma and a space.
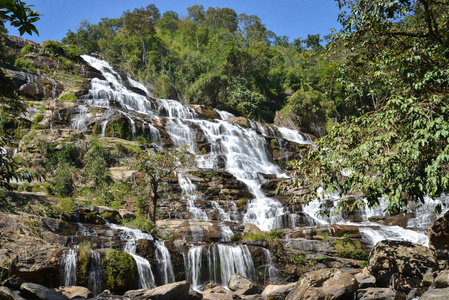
67, 269
190, 195
95, 276
270, 269
165, 265
373, 232
243, 149
217, 263
131, 236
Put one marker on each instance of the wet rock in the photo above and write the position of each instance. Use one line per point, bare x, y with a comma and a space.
404, 263
377, 294
205, 111
33, 291
240, 121
277, 292
324, 284
218, 296
177, 290
75, 292
439, 233
392, 220
243, 286
341, 230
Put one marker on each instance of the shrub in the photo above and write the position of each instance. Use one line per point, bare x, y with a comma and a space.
119, 269
236, 237
84, 256
65, 207
349, 248
68, 97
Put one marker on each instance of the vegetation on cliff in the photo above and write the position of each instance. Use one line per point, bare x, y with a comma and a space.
395, 53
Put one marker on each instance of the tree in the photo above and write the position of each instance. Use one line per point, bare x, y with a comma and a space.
157, 166
20, 15
141, 22
396, 53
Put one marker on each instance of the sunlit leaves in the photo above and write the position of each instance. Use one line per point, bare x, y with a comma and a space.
20, 15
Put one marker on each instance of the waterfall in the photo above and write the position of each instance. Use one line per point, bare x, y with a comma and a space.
190, 195
270, 269
243, 150
216, 263
67, 269
131, 236
165, 265
95, 276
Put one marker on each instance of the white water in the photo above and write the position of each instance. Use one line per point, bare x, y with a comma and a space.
95, 276
243, 150
131, 236
372, 232
270, 269
218, 263
67, 269
165, 265
190, 194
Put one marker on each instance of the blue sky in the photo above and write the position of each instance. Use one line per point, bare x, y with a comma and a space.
293, 18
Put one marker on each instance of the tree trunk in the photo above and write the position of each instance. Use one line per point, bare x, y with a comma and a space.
155, 198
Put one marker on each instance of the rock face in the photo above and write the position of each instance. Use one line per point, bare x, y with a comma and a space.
277, 292
400, 264
324, 284
75, 291
439, 234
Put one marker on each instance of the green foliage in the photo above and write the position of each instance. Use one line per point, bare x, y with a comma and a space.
261, 237
274, 235
236, 237
9, 168
84, 258
214, 57
52, 47
157, 167
97, 160
143, 223
399, 147
68, 97
298, 259
119, 270
64, 207
349, 248
20, 15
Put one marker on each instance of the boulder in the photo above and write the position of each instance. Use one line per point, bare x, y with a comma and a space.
6, 294
365, 280
240, 121
177, 290
377, 294
205, 111
251, 229
37, 291
211, 292
324, 284
218, 296
277, 292
438, 233
404, 262
435, 294
243, 286
442, 280
75, 292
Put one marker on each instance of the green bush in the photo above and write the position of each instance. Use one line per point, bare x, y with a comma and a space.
84, 257
349, 248
68, 97
119, 271
236, 237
